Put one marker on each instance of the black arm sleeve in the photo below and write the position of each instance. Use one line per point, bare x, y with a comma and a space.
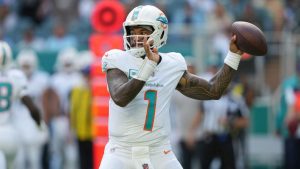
34, 111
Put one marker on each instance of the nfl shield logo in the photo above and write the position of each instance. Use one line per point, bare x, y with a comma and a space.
145, 166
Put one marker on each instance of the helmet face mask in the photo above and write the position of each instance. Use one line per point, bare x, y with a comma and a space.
136, 41
27, 69
66, 60
136, 35
150, 18
27, 61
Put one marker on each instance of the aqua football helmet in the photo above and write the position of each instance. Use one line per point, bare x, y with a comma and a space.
145, 16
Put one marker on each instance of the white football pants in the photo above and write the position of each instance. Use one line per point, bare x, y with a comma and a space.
31, 138
63, 147
117, 157
8, 144
2, 160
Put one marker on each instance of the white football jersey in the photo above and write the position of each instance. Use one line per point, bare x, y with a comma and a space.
145, 120
21, 118
37, 84
13, 86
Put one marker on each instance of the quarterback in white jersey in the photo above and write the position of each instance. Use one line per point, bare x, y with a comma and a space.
13, 85
141, 82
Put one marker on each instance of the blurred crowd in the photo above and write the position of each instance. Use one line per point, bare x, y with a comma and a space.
57, 24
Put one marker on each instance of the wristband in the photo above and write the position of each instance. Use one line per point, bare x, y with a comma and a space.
232, 60
146, 70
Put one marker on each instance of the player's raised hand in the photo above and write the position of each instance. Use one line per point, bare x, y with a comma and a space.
233, 47
152, 54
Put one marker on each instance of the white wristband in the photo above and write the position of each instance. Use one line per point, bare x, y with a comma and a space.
232, 60
146, 70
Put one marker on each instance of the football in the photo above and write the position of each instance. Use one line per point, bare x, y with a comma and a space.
250, 38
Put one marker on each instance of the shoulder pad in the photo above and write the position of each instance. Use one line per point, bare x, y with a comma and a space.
113, 53
15, 73
178, 59
111, 59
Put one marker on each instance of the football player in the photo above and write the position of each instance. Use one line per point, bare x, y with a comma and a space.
13, 90
32, 138
62, 81
141, 81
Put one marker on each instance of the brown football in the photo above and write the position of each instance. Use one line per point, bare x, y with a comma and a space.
250, 38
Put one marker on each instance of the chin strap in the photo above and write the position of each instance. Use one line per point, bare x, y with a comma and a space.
137, 52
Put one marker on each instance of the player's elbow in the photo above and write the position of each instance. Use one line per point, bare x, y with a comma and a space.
120, 102
216, 96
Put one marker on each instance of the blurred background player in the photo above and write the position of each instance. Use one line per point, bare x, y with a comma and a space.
288, 119
63, 147
141, 82
33, 138
185, 111
221, 122
81, 111
13, 84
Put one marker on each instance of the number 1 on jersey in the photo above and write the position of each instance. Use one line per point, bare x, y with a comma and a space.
151, 96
